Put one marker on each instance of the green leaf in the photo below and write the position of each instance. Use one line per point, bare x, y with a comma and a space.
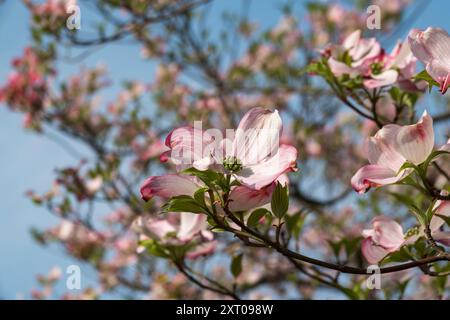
351, 294
236, 265
426, 77
255, 216
199, 196
208, 177
395, 93
184, 204
408, 165
336, 247
280, 201
433, 156
153, 248
401, 255
295, 222
420, 216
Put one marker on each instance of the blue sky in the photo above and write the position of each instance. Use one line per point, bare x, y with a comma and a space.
27, 161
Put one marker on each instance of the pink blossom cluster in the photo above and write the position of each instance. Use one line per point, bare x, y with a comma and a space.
357, 57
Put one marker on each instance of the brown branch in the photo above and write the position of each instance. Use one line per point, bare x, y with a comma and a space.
342, 268
222, 290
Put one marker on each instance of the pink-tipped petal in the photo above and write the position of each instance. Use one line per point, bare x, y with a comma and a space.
435, 44
439, 70
267, 171
373, 175
417, 45
158, 229
415, 142
191, 224
432, 47
167, 186
257, 136
382, 151
352, 40
364, 50
339, 68
188, 148
387, 233
402, 56
385, 78
373, 253
243, 198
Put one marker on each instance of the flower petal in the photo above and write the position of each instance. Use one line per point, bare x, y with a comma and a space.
257, 136
432, 47
339, 68
244, 198
415, 142
439, 70
372, 252
417, 45
388, 233
402, 55
352, 40
442, 237
382, 151
265, 172
364, 50
158, 229
189, 147
169, 185
385, 78
191, 224
373, 175
442, 208
433, 43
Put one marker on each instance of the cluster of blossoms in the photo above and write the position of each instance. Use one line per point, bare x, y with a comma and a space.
394, 153
51, 15
365, 62
252, 160
26, 88
238, 185
254, 165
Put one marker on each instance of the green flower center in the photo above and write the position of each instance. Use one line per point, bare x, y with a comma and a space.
376, 68
412, 232
232, 164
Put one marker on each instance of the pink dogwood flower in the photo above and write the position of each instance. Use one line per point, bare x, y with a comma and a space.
253, 156
432, 47
386, 235
390, 148
358, 50
357, 56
